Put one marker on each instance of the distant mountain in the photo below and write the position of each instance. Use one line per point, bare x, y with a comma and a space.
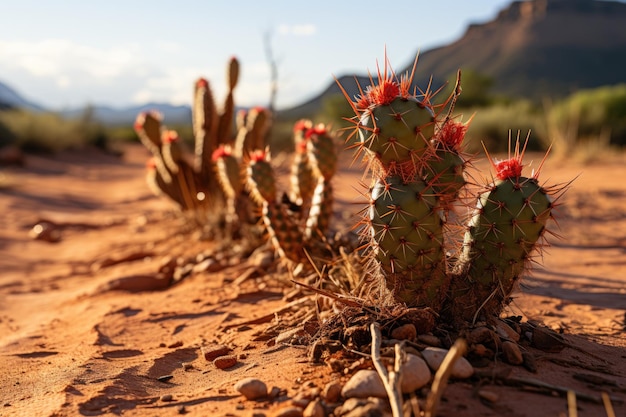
532, 49
126, 115
9, 98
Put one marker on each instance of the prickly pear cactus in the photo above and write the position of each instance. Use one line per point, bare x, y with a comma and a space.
415, 154
404, 223
503, 234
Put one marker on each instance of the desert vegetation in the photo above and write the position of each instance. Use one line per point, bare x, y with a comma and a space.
436, 251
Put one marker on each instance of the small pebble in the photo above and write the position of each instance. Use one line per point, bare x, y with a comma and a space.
434, 357
404, 332
215, 351
288, 412
487, 395
181, 409
429, 339
415, 374
481, 335
506, 332
364, 383
165, 378
251, 388
332, 392
187, 366
512, 353
208, 265
367, 383
314, 409
167, 398
225, 362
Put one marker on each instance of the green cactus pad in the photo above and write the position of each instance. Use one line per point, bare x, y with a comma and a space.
508, 222
407, 237
398, 131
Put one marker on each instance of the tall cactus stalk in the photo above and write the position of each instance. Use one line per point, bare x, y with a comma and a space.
283, 230
323, 161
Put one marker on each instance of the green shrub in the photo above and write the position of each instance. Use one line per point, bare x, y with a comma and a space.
49, 132
493, 125
589, 114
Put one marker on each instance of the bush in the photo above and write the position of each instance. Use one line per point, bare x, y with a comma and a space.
49, 132
592, 113
493, 125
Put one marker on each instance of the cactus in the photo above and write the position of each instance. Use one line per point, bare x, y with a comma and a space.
252, 135
281, 227
302, 182
323, 162
418, 167
505, 230
404, 223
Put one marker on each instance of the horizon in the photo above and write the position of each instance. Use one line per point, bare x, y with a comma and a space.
62, 60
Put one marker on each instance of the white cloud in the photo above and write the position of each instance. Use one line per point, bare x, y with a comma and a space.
59, 57
297, 30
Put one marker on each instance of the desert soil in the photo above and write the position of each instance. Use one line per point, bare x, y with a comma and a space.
87, 328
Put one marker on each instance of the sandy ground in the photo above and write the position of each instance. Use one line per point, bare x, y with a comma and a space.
70, 345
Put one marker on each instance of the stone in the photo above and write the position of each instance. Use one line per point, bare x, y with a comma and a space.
251, 388
225, 362
367, 383
364, 383
404, 332
210, 353
434, 357
289, 411
415, 374
314, 409
512, 353
332, 392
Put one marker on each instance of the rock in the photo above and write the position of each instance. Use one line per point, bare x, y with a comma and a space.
415, 374
207, 265
364, 383
225, 362
251, 388
210, 353
489, 396
547, 339
289, 411
429, 339
506, 332
434, 357
367, 383
512, 353
360, 407
404, 332
332, 392
314, 409
46, 231
482, 335
167, 398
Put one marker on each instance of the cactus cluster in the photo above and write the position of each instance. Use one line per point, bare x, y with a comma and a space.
230, 167
302, 217
209, 175
413, 148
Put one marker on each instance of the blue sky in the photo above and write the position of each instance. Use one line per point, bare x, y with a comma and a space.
68, 53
